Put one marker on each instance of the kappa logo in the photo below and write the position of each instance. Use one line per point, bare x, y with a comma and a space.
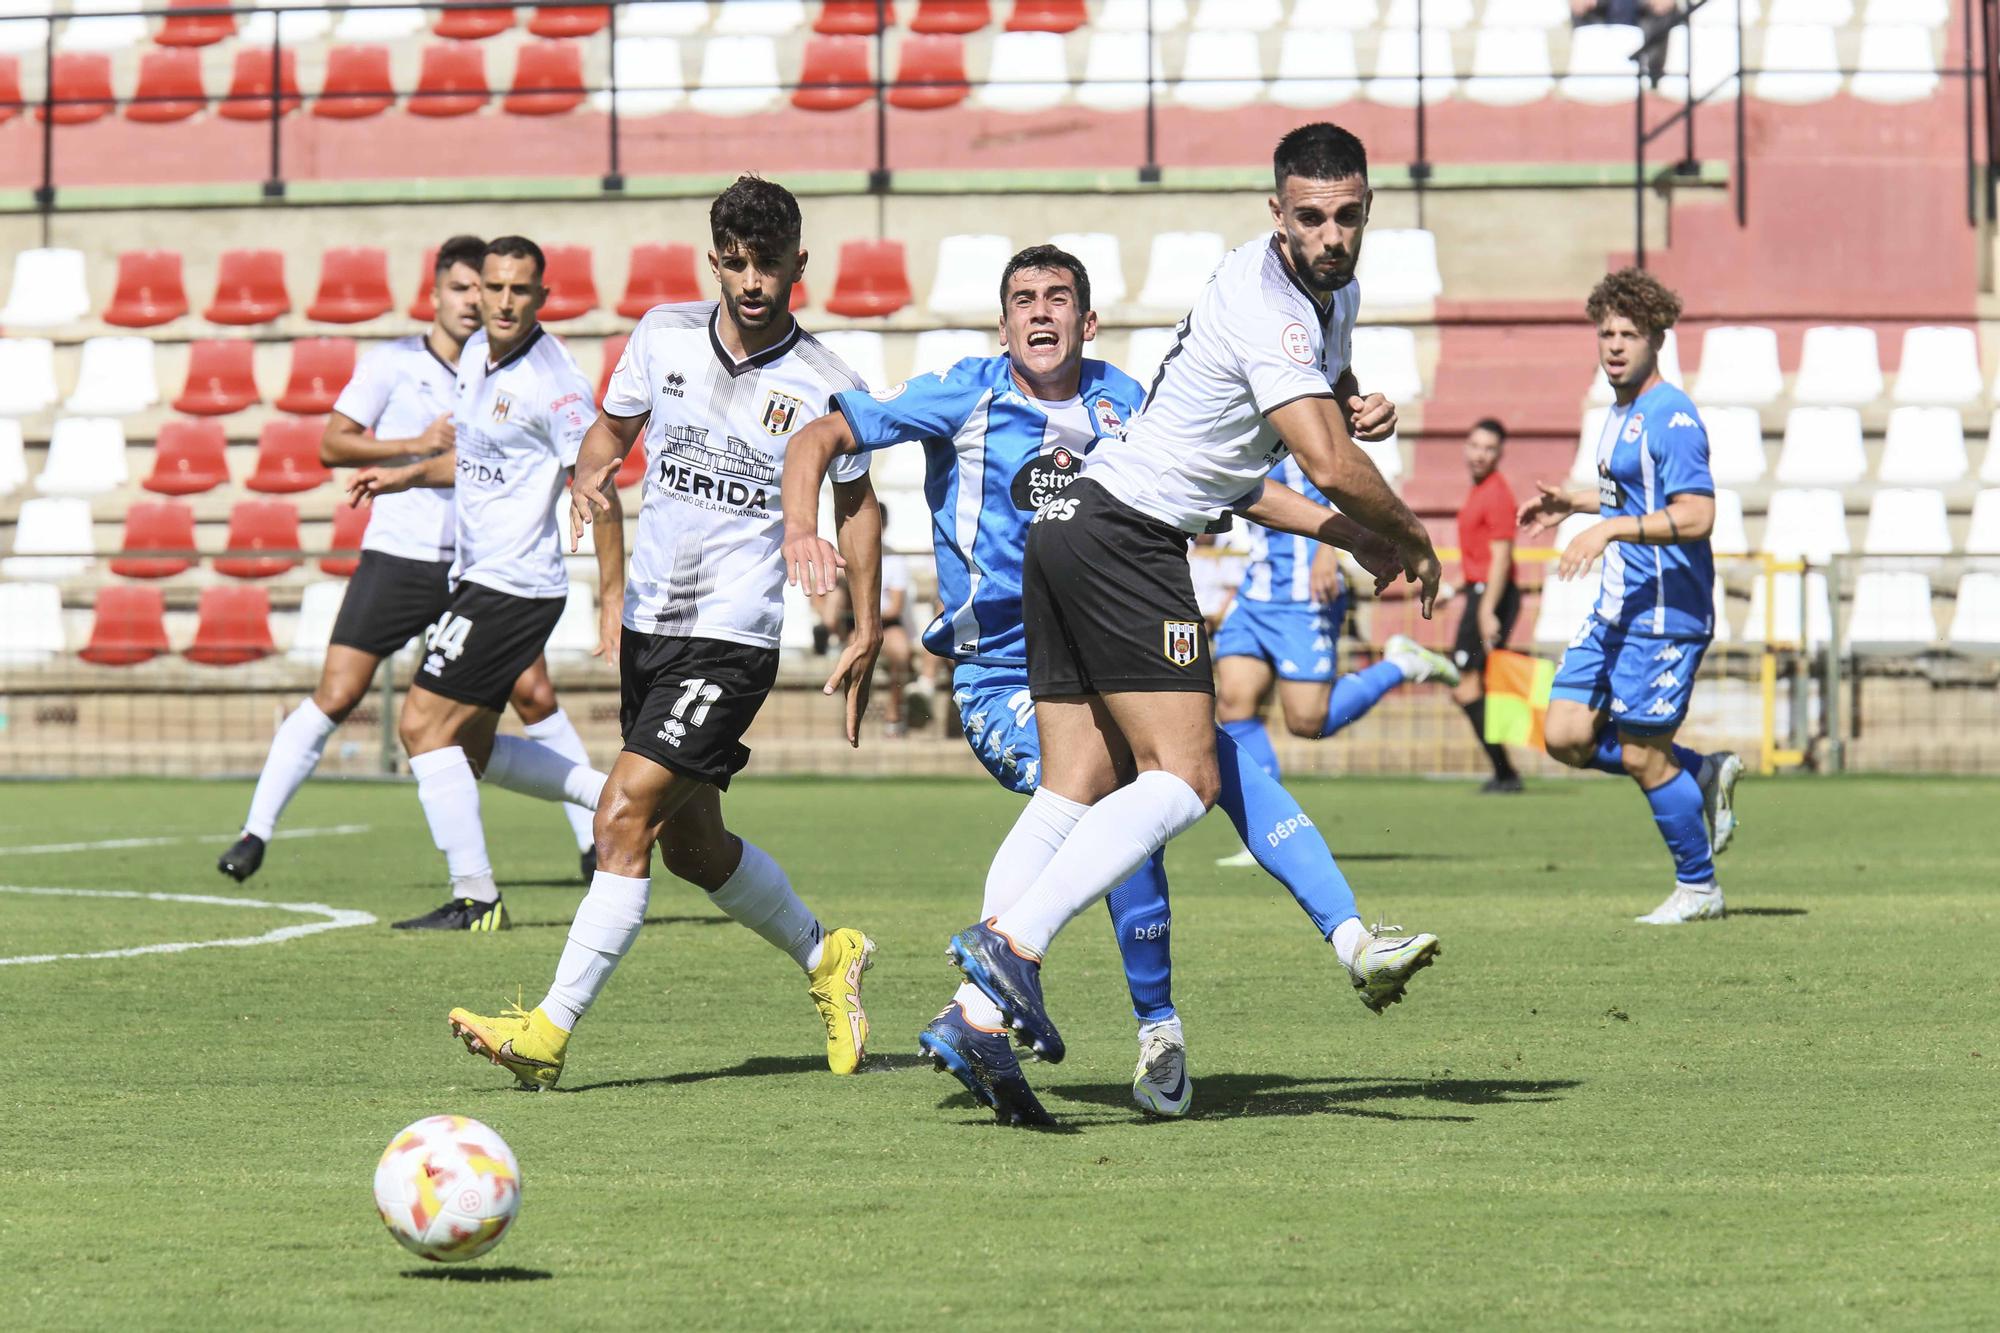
1668, 654
676, 385
781, 412
1182, 642
502, 406
1661, 708
1288, 666
1666, 680
1683, 419
1618, 705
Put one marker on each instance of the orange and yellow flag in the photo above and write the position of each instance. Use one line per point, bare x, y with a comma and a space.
1517, 698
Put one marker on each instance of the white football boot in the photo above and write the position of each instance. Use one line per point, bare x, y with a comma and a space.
1237, 860
1686, 903
1160, 1083
1717, 779
1418, 662
1382, 969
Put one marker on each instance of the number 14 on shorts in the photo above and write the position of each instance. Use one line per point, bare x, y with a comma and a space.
698, 694
445, 641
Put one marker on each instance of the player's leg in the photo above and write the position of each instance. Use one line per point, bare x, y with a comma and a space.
1469, 649
1316, 707
1243, 682
896, 659
1654, 762
445, 738
544, 722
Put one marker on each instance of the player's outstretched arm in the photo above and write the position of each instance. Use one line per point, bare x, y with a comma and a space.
1554, 504
857, 518
1282, 509
1370, 417
347, 443
434, 473
811, 563
593, 495
1688, 517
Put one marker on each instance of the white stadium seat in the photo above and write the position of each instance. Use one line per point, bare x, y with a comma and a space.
1834, 12
86, 457
1435, 13
1739, 364
1221, 71
739, 76
1316, 68
1723, 632
1179, 267
1907, 520
1729, 536
1800, 65
27, 376
24, 34
1822, 448
1717, 57
1735, 444
1583, 467
575, 635
13, 458
307, 25
1723, 14
319, 607
48, 290
901, 467
1806, 525
1601, 69
1334, 15
1565, 604
968, 274
1938, 365
1931, 12
648, 73
796, 634
1892, 612
1989, 469
1041, 57
1237, 15
51, 539
1399, 267
862, 350
1510, 67
1387, 456
908, 530
1542, 14
1385, 362
1896, 64
1839, 364
661, 18
1114, 71
760, 18
1670, 370
1130, 16
115, 378
87, 32
1975, 620
1102, 259
1926, 447
941, 349
1395, 74
384, 25
1144, 351
1784, 610
31, 629
1982, 537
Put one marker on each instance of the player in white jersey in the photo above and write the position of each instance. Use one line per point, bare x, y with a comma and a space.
521, 409
396, 410
1117, 656
716, 389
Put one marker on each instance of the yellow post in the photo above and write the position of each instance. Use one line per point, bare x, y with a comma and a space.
1767, 675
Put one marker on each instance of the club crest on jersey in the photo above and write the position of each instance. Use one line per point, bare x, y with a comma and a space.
1633, 427
890, 394
1295, 342
1108, 422
502, 406
1044, 477
781, 412
1183, 642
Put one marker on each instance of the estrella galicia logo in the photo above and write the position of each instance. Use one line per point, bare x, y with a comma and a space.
676, 385
1044, 477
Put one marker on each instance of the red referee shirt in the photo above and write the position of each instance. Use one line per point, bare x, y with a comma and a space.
1487, 516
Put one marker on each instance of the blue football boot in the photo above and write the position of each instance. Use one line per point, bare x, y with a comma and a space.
1013, 981
984, 1062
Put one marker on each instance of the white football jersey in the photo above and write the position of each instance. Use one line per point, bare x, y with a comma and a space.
397, 391
519, 426
707, 562
1255, 340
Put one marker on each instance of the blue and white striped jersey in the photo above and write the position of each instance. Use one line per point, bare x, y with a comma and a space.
1651, 451
1280, 568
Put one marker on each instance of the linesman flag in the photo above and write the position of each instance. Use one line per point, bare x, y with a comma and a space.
1517, 698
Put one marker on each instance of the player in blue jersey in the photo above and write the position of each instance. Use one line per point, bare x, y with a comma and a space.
1004, 435
1623, 688
1284, 626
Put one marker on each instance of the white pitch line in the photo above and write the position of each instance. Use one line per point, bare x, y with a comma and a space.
336, 918
114, 844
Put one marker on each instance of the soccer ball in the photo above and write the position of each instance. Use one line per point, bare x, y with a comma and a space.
447, 1188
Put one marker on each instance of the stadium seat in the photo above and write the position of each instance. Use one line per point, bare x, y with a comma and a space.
1907, 520
1800, 63
250, 95
760, 18
1179, 266
951, 16
353, 286
1400, 268
377, 25
1989, 468
899, 470
1583, 464
862, 351
1925, 447
1930, 13
1716, 56
219, 379
27, 28
1783, 611
1334, 15
1975, 618
609, 352
86, 457
1098, 251
1601, 68
1735, 445
854, 18
1892, 612
662, 18
1237, 16
1114, 71
548, 79
572, 288
232, 626
1805, 525
13, 457
908, 530
1831, 12
647, 71
634, 466
739, 76
48, 290
1565, 603
1435, 13
169, 87
1739, 365
574, 637
27, 376
1144, 351
1387, 456
1395, 74
1059, 16
874, 279
1385, 362
941, 349
349, 525
1822, 448
1896, 64
150, 291
795, 634
188, 457
100, 25
1543, 14
288, 457
249, 288
260, 525
968, 274
130, 627
31, 626
1729, 536
1939, 365
1316, 68
114, 378
1510, 67
1041, 58
470, 25
10, 84
451, 82
357, 83
1133, 15
319, 608
1982, 535
194, 29
569, 20
658, 275
321, 368
835, 74
155, 525
1221, 71
295, 27
1838, 365
930, 72
52, 539
1670, 370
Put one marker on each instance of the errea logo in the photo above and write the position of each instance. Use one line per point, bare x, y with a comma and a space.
1682, 419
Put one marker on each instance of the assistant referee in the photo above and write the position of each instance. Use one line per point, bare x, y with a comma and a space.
1491, 601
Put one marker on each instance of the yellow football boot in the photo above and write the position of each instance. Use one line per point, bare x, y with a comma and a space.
836, 989
528, 1045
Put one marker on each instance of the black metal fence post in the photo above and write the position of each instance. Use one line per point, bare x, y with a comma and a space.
614, 178
1149, 170
1639, 162
45, 193
878, 179
274, 180
1420, 170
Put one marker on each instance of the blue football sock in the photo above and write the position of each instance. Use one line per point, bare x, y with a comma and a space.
1610, 754
1353, 695
1282, 838
1255, 742
1677, 809
1144, 924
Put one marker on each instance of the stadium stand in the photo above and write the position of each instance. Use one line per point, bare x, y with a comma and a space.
86, 457
27, 376
130, 627
155, 525
353, 286
288, 457
31, 626
233, 627
48, 290
220, 378
249, 289
260, 525
189, 457
115, 378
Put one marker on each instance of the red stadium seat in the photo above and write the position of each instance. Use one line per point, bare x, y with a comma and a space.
613, 348
353, 286
195, 29
834, 74
874, 279
659, 275
260, 525
150, 290
82, 82
234, 627
930, 73
169, 87
321, 368
572, 289
250, 86
548, 80
188, 458
249, 288
156, 525
130, 628
219, 378
800, 299
634, 466
854, 18
569, 21
472, 24
348, 525
288, 456
425, 306
1047, 16
452, 81
957, 16
357, 83
10, 88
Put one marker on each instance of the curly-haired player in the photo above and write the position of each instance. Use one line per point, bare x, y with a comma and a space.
1624, 685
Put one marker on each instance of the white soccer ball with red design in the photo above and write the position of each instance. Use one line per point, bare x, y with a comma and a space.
447, 1188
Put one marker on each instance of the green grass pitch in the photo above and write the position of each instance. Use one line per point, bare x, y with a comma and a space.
1783, 1120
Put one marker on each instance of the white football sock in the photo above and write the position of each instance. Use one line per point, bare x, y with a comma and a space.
295, 753
979, 1011
1036, 836
759, 896
534, 769
607, 922
556, 732
1347, 939
450, 795
1110, 842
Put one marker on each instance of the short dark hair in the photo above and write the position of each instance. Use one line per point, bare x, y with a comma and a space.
1493, 425
1639, 296
757, 215
467, 250
1320, 151
1047, 256
514, 247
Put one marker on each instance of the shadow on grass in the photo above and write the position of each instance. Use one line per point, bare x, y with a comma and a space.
977, 1116
1222, 1095
757, 1066
515, 924
1767, 911
502, 1273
